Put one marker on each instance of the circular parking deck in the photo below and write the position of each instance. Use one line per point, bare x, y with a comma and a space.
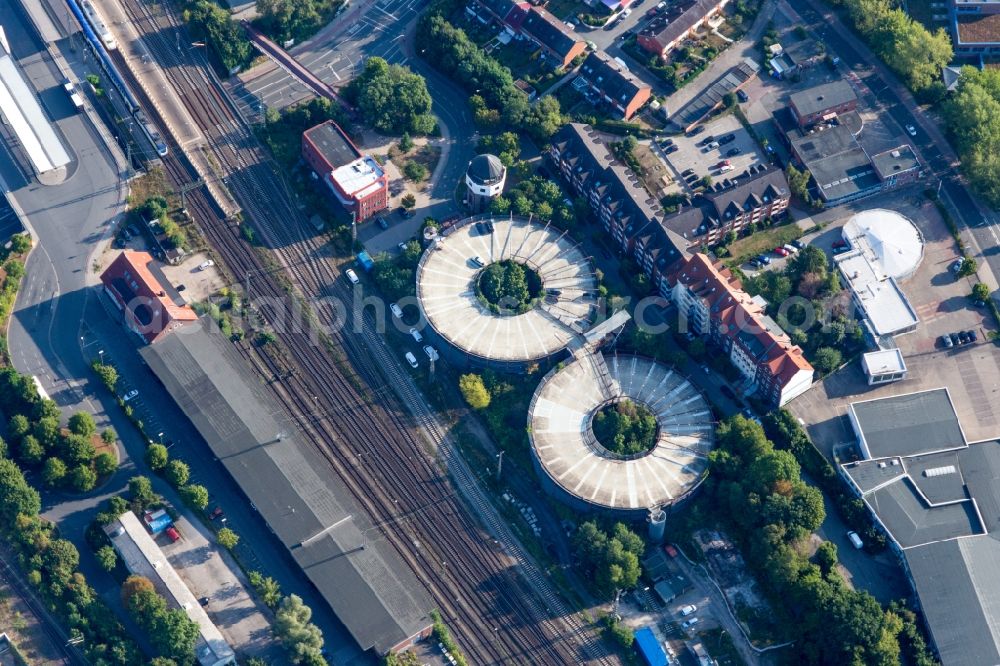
446, 279
580, 470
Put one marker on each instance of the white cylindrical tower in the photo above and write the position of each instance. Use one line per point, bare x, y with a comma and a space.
484, 181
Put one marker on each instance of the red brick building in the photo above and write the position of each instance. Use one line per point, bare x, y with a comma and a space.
824, 102
147, 308
668, 29
614, 85
355, 180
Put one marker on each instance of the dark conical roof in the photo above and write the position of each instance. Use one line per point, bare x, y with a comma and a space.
486, 168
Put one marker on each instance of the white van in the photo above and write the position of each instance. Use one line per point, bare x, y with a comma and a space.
725, 168
352, 276
855, 540
411, 359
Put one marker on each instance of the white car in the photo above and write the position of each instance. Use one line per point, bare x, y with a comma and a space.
626, 13
397, 312
206, 264
130, 395
911, 130
687, 610
432, 353
416, 335
411, 359
690, 623
352, 276
478, 261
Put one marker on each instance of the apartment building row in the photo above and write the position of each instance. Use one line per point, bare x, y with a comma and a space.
521, 20
661, 244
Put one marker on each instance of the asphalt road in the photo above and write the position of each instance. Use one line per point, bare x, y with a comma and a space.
889, 97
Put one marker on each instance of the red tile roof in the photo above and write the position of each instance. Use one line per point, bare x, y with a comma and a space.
735, 313
141, 294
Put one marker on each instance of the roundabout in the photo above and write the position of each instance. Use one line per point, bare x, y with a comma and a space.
579, 468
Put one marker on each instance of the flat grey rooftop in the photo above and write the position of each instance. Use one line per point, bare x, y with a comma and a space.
446, 290
365, 582
912, 521
907, 425
564, 445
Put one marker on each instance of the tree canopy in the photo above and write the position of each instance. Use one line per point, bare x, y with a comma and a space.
392, 98
625, 427
474, 391
610, 559
972, 117
302, 639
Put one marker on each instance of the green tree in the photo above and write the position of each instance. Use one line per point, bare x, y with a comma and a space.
177, 473
82, 424
406, 143
968, 267
408, 201
392, 98
141, 493
214, 24
20, 243
827, 359
302, 639
227, 538
76, 449
108, 436
105, 464
18, 426
798, 183
980, 292
107, 374
415, 171
267, 588
30, 451
53, 472
107, 558
82, 478
474, 391
826, 557
611, 561
157, 456
195, 495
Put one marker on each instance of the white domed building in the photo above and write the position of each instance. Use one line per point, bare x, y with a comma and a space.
484, 180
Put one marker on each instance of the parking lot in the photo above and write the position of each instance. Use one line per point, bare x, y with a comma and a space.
971, 372
692, 154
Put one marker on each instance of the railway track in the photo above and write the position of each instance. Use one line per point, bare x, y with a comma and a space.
497, 601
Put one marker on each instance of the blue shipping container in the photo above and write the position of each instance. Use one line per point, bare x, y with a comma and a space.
650, 648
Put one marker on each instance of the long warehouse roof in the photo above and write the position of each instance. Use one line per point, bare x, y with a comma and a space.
24, 114
369, 588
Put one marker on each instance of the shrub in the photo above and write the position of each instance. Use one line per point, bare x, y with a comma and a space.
156, 457
227, 538
415, 171
177, 473
474, 391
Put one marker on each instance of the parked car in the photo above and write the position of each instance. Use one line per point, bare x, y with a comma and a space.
216, 513
755, 263
690, 623
697, 130
478, 261
411, 359
839, 243
729, 138
911, 130
670, 149
956, 266
781, 252
203, 601
432, 354
855, 540
963, 337
382, 223
131, 395
687, 610
711, 146
352, 276
722, 164
687, 172
401, 246
791, 248
798, 243
972, 336
764, 259
733, 152
707, 140
742, 95
206, 264
415, 334
954, 339
397, 312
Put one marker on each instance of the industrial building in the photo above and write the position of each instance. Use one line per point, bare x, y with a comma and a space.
885, 247
578, 470
150, 306
484, 181
471, 332
884, 366
937, 497
298, 495
36, 137
142, 556
355, 180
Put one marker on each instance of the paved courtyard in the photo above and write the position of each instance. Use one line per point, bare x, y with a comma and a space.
690, 154
970, 372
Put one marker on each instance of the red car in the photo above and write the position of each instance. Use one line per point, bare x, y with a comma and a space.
216, 512
781, 252
839, 243
173, 534
722, 164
